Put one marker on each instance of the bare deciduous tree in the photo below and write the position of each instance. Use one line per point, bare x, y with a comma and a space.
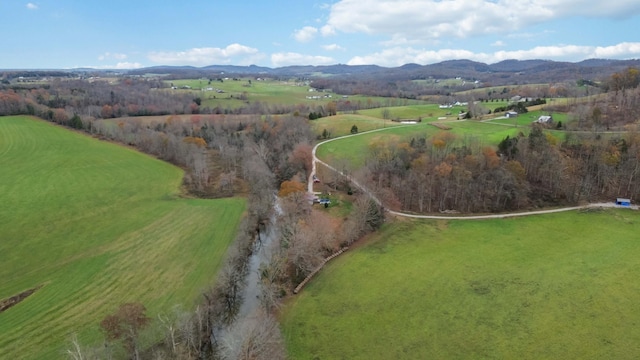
125, 324
253, 338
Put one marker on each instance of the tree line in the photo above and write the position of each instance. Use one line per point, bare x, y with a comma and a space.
444, 173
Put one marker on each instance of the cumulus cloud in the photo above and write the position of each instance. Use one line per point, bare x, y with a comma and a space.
625, 49
236, 53
128, 65
332, 47
426, 20
498, 43
327, 30
291, 58
403, 55
119, 66
305, 34
32, 6
108, 55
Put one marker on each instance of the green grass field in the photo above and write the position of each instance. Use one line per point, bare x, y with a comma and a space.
340, 125
560, 286
97, 225
266, 91
427, 112
271, 92
355, 149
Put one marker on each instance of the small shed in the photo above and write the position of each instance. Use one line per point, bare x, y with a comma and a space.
623, 202
511, 114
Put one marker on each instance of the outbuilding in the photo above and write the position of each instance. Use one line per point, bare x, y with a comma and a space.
623, 202
511, 114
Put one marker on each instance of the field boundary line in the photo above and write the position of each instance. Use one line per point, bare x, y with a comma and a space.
317, 269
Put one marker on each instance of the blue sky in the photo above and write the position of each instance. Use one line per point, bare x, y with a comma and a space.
139, 33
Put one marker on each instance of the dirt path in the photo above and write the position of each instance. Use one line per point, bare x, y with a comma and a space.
439, 217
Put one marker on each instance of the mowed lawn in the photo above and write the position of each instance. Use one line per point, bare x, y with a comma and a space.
561, 286
96, 225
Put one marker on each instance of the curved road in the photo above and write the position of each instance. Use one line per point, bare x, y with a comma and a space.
415, 216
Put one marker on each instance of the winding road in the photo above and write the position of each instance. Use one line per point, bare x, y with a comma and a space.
315, 161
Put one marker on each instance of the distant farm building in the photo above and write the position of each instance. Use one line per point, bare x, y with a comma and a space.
623, 202
511, 114
544, 119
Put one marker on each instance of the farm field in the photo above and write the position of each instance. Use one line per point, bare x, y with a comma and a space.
340, 125
96, 225
528, 118
428, 112
544, 287
267, 91
354, 149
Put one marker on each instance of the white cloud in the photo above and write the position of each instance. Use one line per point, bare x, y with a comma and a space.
616, 51
426, 20
290, 58
327, 30
332, 47
119, 66
399, 56
128, 65
305, 34
403, 55
108, 55
32, 6
236, 53
498, 43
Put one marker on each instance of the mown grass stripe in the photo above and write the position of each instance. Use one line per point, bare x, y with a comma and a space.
98, 224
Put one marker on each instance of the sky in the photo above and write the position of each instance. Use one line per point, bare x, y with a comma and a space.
117, 34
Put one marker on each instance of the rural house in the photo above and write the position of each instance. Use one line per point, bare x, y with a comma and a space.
544, 119
511, 114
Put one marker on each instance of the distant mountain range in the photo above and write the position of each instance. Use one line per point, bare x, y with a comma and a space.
507, 71
504, 72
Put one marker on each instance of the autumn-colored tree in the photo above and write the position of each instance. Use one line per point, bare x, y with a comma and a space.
301, 157
125, 324
106, 112
290, 187
197, 141
332, 108
60, 116
491, 158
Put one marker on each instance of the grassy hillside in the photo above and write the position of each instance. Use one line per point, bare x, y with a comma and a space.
235, 93
355, 149
340, 125
97, 225
544, 287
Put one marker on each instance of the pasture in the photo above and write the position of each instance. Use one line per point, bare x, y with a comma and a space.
96, 225
428, 112
235, 93
353, 150
553, 286
341, 124
231, 94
